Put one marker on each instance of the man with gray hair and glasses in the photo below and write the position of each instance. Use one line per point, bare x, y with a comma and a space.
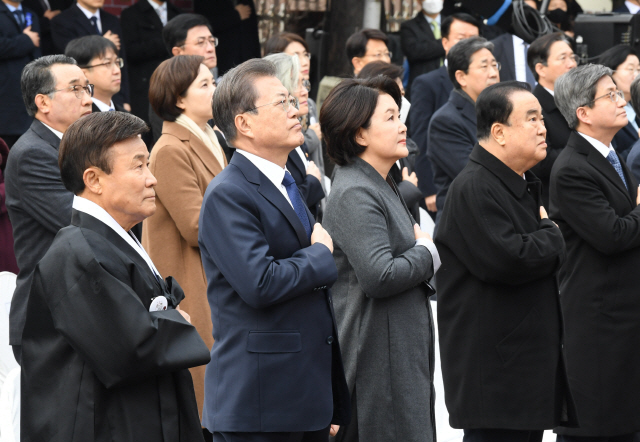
56, 93
594, 200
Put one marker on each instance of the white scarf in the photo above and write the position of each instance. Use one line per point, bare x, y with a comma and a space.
208, 136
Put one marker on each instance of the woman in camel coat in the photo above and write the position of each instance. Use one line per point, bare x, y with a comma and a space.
184, 160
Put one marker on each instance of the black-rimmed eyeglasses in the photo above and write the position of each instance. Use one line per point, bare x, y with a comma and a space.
117, 62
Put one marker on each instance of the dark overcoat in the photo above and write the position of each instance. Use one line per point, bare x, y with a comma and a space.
599, 283
499, 317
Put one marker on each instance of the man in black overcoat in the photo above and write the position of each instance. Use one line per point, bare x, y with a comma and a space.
498, 310
594, 199
105, 348
549, 57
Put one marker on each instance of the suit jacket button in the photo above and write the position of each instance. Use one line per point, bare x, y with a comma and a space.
330, 340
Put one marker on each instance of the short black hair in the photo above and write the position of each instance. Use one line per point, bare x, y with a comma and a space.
357, 43
87, 142
170, 81
278, 43
494, 105
459, 56
174, 34
85, 49
539, 50
349, 107
37, 78
615, 56
445, 27
376, 68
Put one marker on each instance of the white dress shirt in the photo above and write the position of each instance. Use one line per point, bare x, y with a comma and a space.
302, 156
102, 106
631, 115
56, 132
90, 14
599, 145
161, 10
519, 59
549, 90
90, 208
633, 8
271, 170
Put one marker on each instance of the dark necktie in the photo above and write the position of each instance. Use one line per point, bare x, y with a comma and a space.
94, 23
615, 162
296, 201
19, 15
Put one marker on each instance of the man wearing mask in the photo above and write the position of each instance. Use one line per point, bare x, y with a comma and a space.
421, 41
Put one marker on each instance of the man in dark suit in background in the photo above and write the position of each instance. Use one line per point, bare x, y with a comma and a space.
629, 6
422, 43
46, 10
275, 372
56, 94
430, 92
594, 201
19, 44
235, 23
87, 17
98, 58
142, 25
549, 57
452, 132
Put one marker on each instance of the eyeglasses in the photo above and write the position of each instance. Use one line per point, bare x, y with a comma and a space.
117, 62
566, 58
630, 70
76, 89
202, 42
485, 67
614, 96
286, 103
307, 85
380, 55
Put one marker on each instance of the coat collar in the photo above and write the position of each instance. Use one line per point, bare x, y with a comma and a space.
83, 21
464, 106
297, 162
196, 145
266, 188
547, 102
599, 162
5, 10
512, 181
423, 24
44, 133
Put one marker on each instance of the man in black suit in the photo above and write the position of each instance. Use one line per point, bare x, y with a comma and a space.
594, 201
98, 58
498, 308
549, 57
142, 25
421, 40
46, 10
511, 52
366, 46
19, 44
430, 92
235, 23
57, 94
452, 132
87, 17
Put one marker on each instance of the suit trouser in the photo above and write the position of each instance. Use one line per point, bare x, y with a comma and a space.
303, 436
632, 437
500, 435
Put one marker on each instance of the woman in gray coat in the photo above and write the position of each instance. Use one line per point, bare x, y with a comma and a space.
384, 262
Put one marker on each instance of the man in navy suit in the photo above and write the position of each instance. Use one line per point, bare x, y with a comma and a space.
275, 372
430, 92
87, 17
452, 132
19, 44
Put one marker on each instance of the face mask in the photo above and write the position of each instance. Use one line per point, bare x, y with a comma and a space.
432, 6
557, 16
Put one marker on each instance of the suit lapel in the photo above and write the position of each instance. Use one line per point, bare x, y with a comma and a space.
45, 134
149, 13
297, 162
546, 99
511, 61
273, 195
424, 25
196, 145
84, 22
9, 14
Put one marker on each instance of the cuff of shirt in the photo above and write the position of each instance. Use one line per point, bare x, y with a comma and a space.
433, 250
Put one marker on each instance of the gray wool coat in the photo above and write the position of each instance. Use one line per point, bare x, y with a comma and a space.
382, 310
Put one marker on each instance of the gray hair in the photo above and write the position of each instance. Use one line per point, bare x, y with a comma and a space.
236, 93
459, 57
635, 95
37, 79
577, 88
287, 69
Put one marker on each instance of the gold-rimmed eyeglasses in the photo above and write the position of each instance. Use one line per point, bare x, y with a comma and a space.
76, 89
614, 96
203, 41
286, 103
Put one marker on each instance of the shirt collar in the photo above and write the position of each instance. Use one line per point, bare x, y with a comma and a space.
102, 106
431, 20
633, 8
56, 132
271, 170
514, 182
90, 208
88, 13
548, 90
157, 7
598, 145
12, 8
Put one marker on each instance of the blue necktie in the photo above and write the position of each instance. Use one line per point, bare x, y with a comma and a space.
19, 15
296, 201
94, 23
615, 162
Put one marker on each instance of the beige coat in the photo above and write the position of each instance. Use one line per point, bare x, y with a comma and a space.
183, 166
